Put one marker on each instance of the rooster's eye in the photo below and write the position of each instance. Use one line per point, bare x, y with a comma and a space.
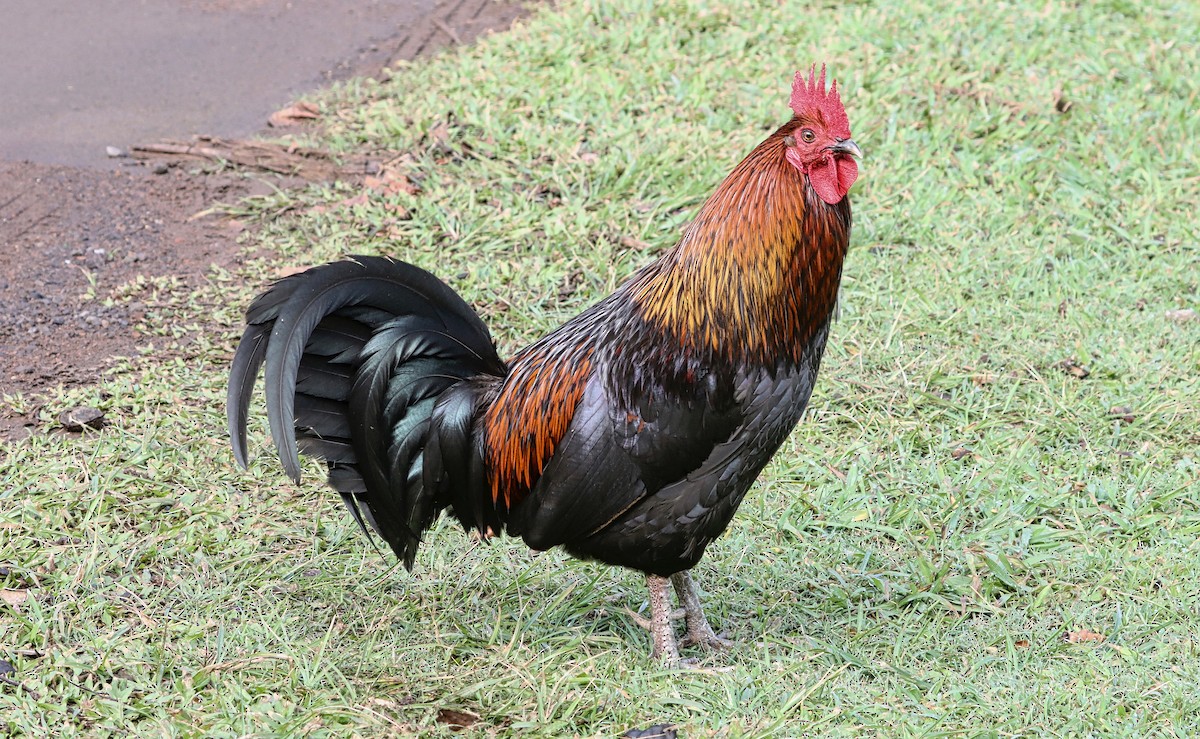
808, 136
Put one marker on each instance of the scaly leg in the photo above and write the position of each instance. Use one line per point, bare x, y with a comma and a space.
698, 630
661, 634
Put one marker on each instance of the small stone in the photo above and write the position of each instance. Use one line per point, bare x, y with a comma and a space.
658, 731
161, 168
76, 418
115, 151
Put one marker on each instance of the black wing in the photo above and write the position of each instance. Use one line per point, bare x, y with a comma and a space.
622, 446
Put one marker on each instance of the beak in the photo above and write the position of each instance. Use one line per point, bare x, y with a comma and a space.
847, 146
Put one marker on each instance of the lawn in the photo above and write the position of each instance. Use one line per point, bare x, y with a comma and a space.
987, 524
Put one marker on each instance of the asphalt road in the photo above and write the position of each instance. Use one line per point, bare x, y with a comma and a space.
77, 76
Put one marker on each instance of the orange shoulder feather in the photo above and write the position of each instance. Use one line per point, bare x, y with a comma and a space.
531, 415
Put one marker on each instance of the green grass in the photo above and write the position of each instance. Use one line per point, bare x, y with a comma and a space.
953, 508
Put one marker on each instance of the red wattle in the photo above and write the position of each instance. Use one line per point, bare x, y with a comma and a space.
832, 178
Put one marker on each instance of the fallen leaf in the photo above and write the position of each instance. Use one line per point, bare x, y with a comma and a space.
1061, 104
456, 719
294, 114
631, 243
983, 378
1073, 368
1121, 413
315, 723
14, 597
440, 133
392, 705
1021, 644
1080, 636
389, 183
960, 452
400, 183
145, 620
1181, 316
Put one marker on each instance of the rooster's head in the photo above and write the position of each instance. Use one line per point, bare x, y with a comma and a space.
819, 143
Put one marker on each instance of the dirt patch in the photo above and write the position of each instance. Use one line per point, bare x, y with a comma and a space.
69, 236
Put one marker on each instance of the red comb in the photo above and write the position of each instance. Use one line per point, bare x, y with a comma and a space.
810, 100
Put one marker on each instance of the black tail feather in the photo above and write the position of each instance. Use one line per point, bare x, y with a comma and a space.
454, 461
321, 378
331, 450
359, 356
247, 361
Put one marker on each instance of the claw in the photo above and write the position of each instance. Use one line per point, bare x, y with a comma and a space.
710, 640
699, 632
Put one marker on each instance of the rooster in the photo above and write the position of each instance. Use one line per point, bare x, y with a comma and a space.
629, 435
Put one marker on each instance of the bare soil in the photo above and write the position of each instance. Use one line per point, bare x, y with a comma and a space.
70, 234
73, 235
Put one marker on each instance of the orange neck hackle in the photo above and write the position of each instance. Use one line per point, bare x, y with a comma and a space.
756, 274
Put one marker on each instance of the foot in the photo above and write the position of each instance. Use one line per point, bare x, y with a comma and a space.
699, 632
704, 636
